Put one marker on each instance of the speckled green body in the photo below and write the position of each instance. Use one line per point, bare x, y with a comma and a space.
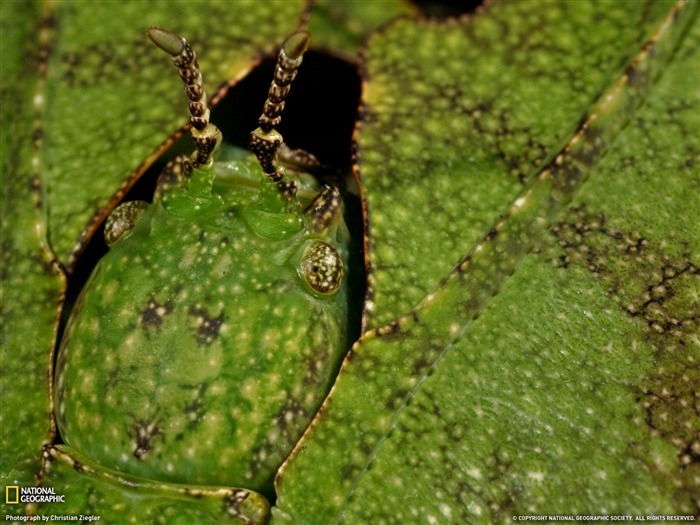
197, 352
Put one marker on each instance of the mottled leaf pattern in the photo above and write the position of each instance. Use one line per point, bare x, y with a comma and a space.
458, 121
572, 391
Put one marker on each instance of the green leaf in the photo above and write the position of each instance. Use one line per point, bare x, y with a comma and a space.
570, 388
340, 26
457, 122
32, 283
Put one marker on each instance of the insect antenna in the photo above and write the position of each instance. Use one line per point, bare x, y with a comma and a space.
206, 135
265, 141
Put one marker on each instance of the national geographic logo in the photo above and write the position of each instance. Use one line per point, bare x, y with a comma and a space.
14, 494
11, 494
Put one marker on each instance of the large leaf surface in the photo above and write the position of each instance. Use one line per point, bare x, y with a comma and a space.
459, 120
573, 389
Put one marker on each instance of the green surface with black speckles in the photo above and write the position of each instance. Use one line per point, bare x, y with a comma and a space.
570, 389
456, 123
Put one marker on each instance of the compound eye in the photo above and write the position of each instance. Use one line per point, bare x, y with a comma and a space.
322, 267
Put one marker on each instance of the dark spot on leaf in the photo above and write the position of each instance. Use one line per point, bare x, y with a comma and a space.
37, 135
233, 502
144, 433
196, 408
153, 315
207, 326
657, 290
392, 328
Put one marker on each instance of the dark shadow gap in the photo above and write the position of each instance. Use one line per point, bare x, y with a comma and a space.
446, 8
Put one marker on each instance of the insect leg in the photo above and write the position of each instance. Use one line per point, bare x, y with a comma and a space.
324, 208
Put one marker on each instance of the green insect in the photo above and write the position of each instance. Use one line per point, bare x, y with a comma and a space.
518, 354
215, 325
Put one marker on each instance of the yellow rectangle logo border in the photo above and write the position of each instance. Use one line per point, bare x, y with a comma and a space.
9, 501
